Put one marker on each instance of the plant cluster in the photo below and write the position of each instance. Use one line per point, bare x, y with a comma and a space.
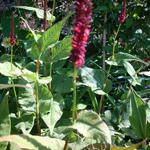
74, 75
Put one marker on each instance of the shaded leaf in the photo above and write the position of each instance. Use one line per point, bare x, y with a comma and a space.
137, 115
61, 84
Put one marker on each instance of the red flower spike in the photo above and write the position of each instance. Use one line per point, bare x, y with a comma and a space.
12, 33
122, 16
81, 32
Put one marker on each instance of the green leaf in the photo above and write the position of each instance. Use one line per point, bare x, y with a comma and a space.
129, 68
8, 69
61, 83
59, 52
50, 37
26, 98
30, 142
39, 12
5, 124
121, 57
45, 80
90, 125
45, 99
26, 123
96, 80
137, 115
52, 116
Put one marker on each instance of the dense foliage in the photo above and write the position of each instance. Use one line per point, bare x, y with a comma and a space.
46, 103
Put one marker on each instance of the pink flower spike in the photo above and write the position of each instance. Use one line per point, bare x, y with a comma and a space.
81, 32
13, 40
122, 16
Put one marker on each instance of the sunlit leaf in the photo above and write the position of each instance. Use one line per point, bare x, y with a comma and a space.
39, 12
138, 115
5, 124
90, 125
30, 142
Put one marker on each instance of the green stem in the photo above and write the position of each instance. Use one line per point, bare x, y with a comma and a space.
50, 74
37, 99
37, 110
50, 68
115, 43
113, 56
11, 57
14, 89
74, 108
16, 100
101, 104
54, 3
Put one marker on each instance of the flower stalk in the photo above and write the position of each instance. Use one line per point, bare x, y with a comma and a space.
74, 108
79, 42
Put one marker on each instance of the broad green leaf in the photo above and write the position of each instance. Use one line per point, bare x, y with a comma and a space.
90, 125
26, 123
52, 116
45, 80
121, 57
45, 99
137, 115
30, 142
8, 69
5, 124
96, 80
29, 75
13, 147
60, 51
61, 83
129, 68
26, 97
39, 12
49, 37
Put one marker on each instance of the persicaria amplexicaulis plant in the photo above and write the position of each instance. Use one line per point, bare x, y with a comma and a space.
81, 32
12, 33
122, 16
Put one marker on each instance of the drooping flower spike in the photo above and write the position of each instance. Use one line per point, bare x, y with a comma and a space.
122, 16
81, 32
